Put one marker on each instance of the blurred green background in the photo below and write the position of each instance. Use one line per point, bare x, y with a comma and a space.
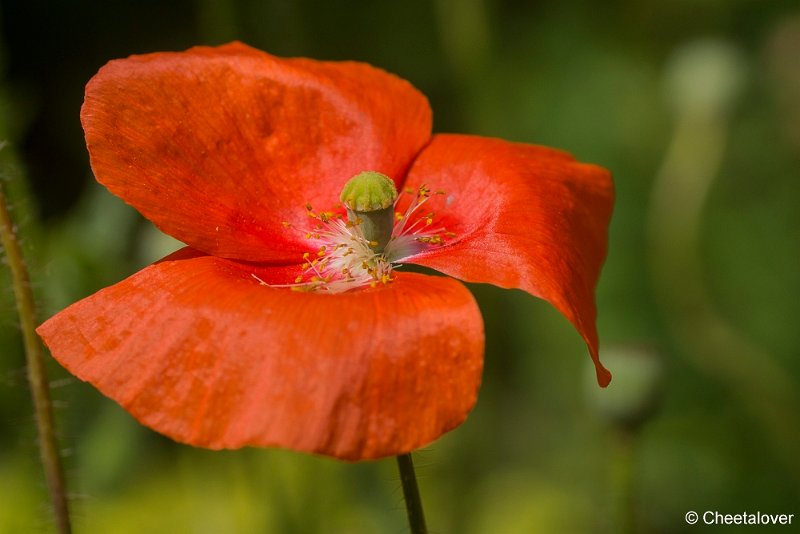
695, 107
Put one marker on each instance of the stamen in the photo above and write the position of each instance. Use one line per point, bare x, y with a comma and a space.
345, 258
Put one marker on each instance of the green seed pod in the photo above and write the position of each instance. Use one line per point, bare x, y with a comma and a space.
369, 198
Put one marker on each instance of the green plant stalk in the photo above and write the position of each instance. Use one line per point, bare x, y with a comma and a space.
623, 466
37, 376
416, 516
711, 343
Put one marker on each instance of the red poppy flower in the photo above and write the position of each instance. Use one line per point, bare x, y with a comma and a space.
242, 156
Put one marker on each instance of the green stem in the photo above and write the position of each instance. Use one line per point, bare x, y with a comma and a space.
623, 470
36, 371
416, 516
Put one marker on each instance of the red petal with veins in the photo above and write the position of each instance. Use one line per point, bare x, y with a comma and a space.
197, 349
219, 146
525, 216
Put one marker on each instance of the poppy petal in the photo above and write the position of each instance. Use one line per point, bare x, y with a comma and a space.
220, 146
525, 217
198, 349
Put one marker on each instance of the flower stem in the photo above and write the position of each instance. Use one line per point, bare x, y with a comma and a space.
416, 516
36, 370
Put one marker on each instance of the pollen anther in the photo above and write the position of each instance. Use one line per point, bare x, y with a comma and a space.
345, 259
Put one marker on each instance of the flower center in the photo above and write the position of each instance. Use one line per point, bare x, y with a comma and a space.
363, 248
369, 198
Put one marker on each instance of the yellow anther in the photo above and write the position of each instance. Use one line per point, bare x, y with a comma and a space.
342, 258
356, 222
